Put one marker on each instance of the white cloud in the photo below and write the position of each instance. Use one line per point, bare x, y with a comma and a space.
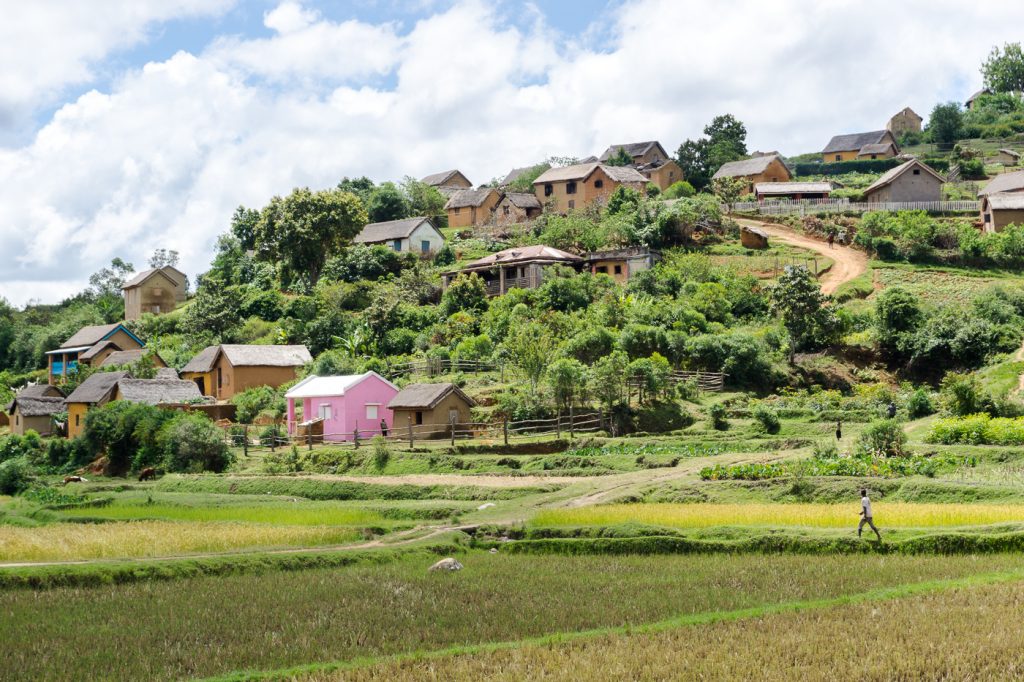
45, 46
163, 157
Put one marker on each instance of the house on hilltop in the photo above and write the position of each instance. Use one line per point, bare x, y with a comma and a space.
519, 267
877, 144
911, 181
89, 346
472, 207
768, 168
517, 207
343, 404
641, 152
155, 291
969, 104
904, 121
430, 410
417, 235
575, 187
224, 370
448, 182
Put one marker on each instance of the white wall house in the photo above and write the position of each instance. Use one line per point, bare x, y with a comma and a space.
417, 235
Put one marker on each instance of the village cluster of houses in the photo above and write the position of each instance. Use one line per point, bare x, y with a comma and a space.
332, 408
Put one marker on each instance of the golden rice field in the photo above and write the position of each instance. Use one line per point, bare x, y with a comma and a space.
306, 514
138, 539
887, 514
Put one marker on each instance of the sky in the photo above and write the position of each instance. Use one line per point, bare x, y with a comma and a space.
132, 125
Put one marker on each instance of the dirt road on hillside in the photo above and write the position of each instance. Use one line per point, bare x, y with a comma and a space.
847, 264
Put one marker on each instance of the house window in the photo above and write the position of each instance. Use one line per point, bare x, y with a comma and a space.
371, 411
457, 209
874, 156
598, 184
570, 188
397, 245
548, 190
220, 378
618, 269
419, 418
839, 157
78, 419
917, 171
324, 411
425, 246
603, 269
988, 218
572, 203
505, 210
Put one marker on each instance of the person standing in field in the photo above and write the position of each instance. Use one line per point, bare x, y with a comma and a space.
831, 239
839, 430
866, 517
383, 428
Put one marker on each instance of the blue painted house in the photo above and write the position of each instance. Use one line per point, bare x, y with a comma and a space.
90, 346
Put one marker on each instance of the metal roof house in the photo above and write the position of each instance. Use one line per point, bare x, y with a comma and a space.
518, 267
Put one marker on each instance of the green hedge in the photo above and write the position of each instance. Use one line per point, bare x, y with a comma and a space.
841, 167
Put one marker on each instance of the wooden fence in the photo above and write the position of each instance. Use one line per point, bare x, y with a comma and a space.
816, 206
433, 367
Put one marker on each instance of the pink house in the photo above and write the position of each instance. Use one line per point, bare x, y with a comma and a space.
344, 403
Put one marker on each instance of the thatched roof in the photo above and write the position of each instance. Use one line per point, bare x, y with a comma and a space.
426, 396
96, 388
582, 171
1004, 182
1006, 201
893, 173
391, 229
1011, 152
524, 200
158, 391
249, 356
855, 141
880, 148
441, 179
166, 373
467, 198
634, 149
36, 407
123, 357
746, 167
90, 336
172, 273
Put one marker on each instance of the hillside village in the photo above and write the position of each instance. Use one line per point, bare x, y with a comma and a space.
619, 269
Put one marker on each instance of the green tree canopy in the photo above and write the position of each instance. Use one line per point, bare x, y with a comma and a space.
725, 139
946, 122
387, 202
797, 298
1004, 69
620, 158
306, 228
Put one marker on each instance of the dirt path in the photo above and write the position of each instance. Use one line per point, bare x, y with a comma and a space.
472, 480
848, 263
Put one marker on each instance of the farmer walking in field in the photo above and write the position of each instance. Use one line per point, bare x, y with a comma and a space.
831, 239
865, 512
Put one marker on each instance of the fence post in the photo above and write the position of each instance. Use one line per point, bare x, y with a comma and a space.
572, 425
410, 433
273, 440
355, 435
245, 440
504, 428
558, 424
451, 427
309, 439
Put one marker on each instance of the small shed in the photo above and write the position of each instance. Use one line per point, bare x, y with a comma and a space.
346, 405
1002, 209
34, 414
1008, 157
430, 409
753, 238
908, 182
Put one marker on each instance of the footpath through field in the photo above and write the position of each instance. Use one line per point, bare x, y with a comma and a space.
848, 263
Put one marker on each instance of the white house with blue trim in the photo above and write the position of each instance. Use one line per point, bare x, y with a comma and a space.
90, 346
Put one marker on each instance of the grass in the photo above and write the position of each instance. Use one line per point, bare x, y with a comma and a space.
932, 632
940, 286
889, 514
298, 514
210, 626
75, 541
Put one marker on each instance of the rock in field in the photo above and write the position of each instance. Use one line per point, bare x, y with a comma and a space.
448, 564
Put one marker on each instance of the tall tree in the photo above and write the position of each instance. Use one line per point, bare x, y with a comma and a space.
1004, 69
243, 226
425, 200
805, 311
692, 157
946, 122
361, 187
725, 139
108, 281
306, 228
387, 202
163, 258
620, 158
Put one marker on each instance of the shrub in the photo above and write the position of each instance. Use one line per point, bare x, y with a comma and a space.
978, 429
962, 394
883, 438
825, 450
381, 454
15, 475
661, 418
919, 404
717, 414
193, 443
767, 418
678, 190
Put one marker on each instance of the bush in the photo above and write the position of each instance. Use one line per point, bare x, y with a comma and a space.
767, 419
661, 418
883, 438
193, 443
678, 190
15, 476
842, 167
962, 394
381, 454
717, 414
978, 429
825, 450
919, 404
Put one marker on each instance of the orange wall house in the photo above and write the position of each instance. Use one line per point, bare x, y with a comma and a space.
472, 207
222, 371
768, 168
576, 187
89, 346
849, 147
155, 291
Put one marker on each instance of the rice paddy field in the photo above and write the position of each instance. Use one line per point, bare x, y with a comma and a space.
216, 625
144, 539
889, 514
